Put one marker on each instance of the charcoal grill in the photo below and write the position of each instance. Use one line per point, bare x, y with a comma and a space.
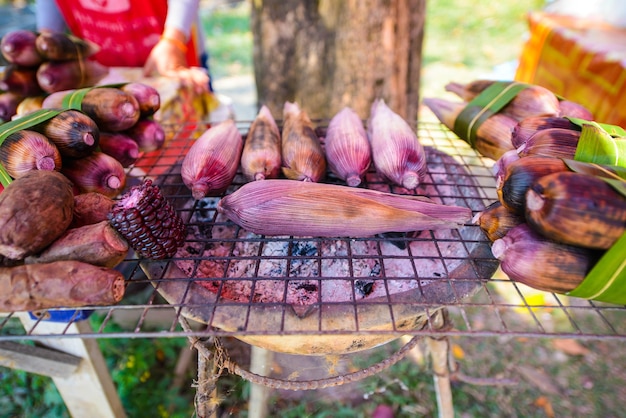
468, 285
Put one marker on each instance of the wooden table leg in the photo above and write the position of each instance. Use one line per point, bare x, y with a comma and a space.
89, 391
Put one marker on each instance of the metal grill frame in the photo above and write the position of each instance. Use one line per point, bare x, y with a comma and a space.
499, 307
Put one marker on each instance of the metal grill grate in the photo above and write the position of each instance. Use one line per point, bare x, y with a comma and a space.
464, 281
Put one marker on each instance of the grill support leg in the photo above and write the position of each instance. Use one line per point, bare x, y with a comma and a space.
260, 363
439, 354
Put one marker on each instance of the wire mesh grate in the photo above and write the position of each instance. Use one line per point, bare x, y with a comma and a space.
231, 282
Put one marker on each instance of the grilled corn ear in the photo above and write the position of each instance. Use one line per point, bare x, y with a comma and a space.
553, 142
75, 134
261, 156
148, 133
147, 96
574, 110
97, 172
18, 47
397, 154
528, 257
59, 46
303, 157
286, 207
520, 175
493, 137
212, 161
347, 147
119, 146
55, 76
25, 150
577, 209
496, 220
532, 101
529, 126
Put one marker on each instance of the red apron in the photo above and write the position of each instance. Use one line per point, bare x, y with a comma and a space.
125, 30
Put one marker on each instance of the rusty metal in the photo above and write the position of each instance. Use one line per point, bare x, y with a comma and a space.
480, 300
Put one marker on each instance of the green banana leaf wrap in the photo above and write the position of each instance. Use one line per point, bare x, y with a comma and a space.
27, 121
74, 100
480, 108
606, 282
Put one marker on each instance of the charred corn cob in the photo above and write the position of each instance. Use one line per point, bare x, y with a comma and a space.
147, 96
520, 175
285, 207
112, 109
97, 172
527, 257
75, 134
119, 146
303, 157
59, 46
20, 80
148, 134
574, 110
577, 209
496, 220
502, 163
54, 76
148, 222
9, 103
25, 150
261, 156
397, 154
211, 163
532, 101
348, 149
529, 126
493, 137
18, 47
553, 142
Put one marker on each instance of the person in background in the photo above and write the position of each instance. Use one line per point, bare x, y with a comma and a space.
164, 37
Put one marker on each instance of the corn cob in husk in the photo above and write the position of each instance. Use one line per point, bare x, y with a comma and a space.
285, 207
541, 263
520, 175
496, 220
18, 47
303, 157
211, 163
347, 147
60, 46
532, 101
112, 109
552, 142
54, 76
576, 209
261, 156
75, 134
397, 154
493, 137
529, 126
26, 150
96, 172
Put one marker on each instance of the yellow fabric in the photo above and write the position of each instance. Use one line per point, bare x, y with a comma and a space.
579, 59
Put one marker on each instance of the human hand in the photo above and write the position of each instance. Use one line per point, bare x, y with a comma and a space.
168, 59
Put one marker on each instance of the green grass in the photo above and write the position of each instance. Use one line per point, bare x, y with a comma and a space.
229, 40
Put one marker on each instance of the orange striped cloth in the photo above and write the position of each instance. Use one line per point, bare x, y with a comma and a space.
579, 59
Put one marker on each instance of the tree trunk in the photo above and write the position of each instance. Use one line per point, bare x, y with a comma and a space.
328, 54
